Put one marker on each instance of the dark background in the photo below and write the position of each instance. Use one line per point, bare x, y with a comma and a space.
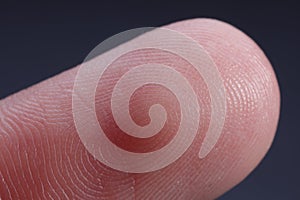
39, 40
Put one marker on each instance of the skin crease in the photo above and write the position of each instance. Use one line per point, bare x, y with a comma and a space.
42, 156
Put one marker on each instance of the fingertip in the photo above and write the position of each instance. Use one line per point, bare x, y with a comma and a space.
245, 83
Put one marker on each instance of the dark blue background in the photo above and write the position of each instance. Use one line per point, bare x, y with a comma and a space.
38, 40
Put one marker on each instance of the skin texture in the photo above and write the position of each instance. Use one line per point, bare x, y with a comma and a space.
42, 156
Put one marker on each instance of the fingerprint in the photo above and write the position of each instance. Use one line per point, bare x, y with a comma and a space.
148, 96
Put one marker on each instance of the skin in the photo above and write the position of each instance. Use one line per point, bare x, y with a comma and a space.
42, 156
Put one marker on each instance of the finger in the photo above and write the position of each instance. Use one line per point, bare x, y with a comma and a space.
44, 157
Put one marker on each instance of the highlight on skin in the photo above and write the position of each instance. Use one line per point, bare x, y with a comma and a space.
135, 76
44, 156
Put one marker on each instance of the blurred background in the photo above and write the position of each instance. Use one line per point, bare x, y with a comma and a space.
39, 40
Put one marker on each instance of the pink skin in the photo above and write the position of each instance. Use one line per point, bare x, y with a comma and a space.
42, 156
